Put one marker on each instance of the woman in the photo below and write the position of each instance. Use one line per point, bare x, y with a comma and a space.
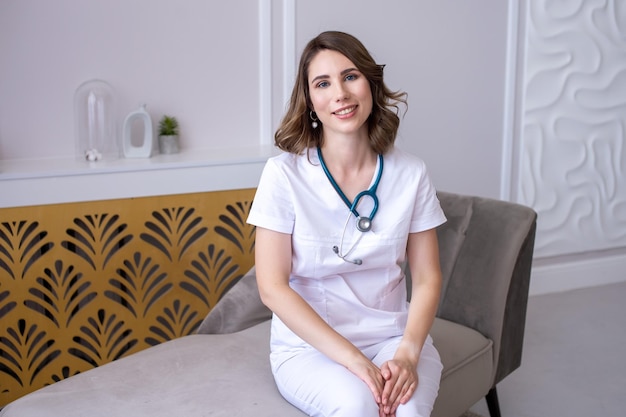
337, 214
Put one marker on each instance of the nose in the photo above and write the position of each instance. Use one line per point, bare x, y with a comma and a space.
341, 92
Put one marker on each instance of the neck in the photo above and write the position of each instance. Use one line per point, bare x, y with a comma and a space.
351, 169
350, 150
348, 156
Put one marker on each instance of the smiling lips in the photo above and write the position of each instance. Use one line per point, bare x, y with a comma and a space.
345, 111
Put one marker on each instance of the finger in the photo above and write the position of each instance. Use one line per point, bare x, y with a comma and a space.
401, 392
387, 394
408, 394
381, 413
376, 386
394, 384
385, 371
389, 397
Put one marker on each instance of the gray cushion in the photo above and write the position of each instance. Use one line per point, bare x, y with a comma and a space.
467, 358
238, 309
197, 375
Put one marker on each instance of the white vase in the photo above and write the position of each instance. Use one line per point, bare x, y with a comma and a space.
168, 144
144, 149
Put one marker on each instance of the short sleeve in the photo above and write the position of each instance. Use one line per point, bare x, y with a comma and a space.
427, 213
272, 207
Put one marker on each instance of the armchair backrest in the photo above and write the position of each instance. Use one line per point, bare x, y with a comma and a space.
486, 250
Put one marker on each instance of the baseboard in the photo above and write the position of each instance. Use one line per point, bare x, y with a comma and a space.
571, 275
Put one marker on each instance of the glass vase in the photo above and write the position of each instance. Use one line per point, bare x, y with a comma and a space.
94, 113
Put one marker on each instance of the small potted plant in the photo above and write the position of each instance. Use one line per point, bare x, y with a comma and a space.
168, 135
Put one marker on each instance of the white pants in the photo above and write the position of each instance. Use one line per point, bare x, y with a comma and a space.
322, 388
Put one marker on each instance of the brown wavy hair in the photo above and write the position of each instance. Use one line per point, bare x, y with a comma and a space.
295, 133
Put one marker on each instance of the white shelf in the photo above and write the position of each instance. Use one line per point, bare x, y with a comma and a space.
52, 181
59, 167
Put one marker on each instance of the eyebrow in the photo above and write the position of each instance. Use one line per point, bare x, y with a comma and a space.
324, 76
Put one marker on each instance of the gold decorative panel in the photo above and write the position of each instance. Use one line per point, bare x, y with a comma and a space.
83, 284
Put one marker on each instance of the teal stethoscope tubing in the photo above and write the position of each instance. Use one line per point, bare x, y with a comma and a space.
364, 224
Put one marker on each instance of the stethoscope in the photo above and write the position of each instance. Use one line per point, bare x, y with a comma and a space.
363, 223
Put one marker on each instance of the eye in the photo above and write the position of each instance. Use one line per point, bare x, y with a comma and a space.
351, 77
322, 84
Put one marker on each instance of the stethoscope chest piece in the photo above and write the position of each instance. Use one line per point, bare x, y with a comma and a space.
364, 224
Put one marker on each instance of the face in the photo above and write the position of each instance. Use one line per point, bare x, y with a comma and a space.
340, 94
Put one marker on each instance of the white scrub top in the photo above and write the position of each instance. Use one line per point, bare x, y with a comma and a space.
365, 303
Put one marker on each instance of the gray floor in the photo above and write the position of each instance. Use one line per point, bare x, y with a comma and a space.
574, 361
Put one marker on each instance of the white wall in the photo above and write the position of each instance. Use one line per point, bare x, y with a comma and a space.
450, 57
573, 126
199, 61
195, 59
571, 133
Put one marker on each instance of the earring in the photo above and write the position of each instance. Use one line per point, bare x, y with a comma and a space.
314, 118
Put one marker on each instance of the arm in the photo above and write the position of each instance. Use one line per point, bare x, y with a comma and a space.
401, 372
273, 266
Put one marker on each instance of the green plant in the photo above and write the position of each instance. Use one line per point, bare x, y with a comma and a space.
168, 126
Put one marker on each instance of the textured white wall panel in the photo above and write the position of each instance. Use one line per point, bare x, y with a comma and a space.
573, 123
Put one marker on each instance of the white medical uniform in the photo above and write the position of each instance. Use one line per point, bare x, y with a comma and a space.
365, 303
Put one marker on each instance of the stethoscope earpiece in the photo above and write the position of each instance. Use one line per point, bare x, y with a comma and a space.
343, 257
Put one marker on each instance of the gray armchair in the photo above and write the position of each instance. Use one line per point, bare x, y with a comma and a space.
486, 278
486, 253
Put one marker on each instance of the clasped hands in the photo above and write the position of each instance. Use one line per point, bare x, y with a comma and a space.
392, 384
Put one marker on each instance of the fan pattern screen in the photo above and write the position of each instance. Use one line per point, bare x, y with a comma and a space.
84, 284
